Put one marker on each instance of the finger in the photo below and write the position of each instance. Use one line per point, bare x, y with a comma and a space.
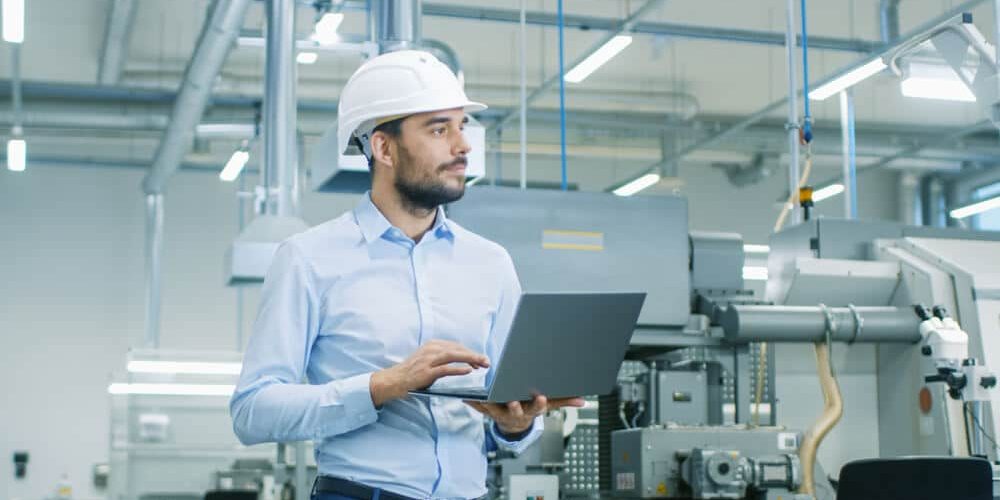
450, 371
461, 355
538, 406
515, 410
561, 402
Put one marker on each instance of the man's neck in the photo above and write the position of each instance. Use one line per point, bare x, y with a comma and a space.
413, 221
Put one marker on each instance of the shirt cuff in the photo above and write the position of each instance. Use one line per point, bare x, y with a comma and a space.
537, 426
350, 399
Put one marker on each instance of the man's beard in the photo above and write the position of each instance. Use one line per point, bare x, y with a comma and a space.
425, 193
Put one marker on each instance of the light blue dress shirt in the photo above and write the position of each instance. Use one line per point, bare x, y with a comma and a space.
355, 295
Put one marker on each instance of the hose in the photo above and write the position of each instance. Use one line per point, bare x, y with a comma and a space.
833, 409
759, 394
778, 224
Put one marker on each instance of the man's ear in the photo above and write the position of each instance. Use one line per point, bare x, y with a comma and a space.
383, 149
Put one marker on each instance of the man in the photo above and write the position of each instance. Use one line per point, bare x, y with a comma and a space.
385, 299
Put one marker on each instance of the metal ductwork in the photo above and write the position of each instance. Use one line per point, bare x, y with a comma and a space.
889, 20
397, 24
742, 175
250, 255
121, 18
217, 37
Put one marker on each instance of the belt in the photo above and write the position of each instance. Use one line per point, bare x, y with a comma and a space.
327, 484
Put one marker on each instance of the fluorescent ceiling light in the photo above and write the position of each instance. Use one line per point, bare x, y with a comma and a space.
307, 58
172, 389
13, 21
756, 248
976, 208
17, 152
755, 273
637, 185
598, 58
851, 78
326, 28
186, 367
828, 192
932, 81
235, 165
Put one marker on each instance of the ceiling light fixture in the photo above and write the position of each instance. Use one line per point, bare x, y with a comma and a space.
598, 58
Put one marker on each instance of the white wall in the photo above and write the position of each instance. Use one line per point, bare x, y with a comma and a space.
72, 288
72, 293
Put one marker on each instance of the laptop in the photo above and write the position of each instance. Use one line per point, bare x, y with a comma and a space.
560, 345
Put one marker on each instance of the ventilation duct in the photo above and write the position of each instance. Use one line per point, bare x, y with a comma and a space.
748, 174
250, 256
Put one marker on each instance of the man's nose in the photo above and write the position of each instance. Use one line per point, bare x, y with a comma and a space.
461, 145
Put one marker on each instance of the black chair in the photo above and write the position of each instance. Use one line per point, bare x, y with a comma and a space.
916, 478
231, 495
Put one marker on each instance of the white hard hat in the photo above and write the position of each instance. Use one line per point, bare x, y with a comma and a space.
395, 85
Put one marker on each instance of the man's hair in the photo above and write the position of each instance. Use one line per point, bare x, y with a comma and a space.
393, 129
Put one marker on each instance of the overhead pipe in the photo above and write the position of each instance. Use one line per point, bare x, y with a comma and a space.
917, 148
849, 167
447, 55
16, 96
397, 24
593, 23
121, 18
280, 114
792, 121
154, 267
523, 94
249, 257
562, 97
889, 20
766, 111
624, 27
217, 37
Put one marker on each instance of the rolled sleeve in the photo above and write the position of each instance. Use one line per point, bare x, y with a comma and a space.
518, 447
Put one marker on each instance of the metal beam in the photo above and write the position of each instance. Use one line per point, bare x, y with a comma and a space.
623, 27
774, 106
675, 30
121, 17
915, 150
217, 37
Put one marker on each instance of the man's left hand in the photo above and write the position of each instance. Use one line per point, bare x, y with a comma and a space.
516, 417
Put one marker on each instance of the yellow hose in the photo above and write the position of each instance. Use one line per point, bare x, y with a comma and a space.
759, 393
793, 199
833, 408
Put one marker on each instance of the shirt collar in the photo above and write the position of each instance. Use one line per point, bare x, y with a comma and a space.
374, 225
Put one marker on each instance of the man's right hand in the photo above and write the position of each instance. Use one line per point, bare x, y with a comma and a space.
429, 363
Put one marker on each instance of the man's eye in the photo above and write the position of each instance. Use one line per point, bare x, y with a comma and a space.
438, 131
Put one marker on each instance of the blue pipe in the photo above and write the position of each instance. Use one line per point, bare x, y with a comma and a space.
807, 126
562, 96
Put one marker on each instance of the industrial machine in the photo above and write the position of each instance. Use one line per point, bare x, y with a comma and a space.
695, 414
